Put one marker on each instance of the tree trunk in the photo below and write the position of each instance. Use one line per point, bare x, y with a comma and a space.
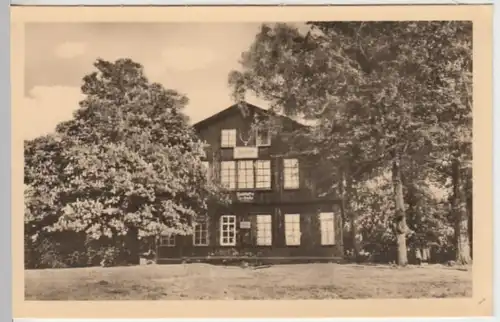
469, 212
341, 192
463, 254
353, 216
400, 227
133, 246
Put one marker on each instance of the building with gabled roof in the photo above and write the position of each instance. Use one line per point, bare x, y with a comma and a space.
276, 211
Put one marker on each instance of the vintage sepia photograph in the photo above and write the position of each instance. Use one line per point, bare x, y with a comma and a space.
252, 160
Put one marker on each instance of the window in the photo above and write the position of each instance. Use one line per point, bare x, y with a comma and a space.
245, 175
263, 137
200, 235
292, 229
291, 173
250, 174
167, 240
228, 174
228, 138
228, 230
327, 228
264, 232
206, 166
263, 174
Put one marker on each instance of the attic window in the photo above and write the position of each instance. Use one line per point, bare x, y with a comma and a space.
263, 137
228, 138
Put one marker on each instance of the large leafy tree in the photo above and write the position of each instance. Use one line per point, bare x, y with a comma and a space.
373, 83
126, 166
451, 133
427, 216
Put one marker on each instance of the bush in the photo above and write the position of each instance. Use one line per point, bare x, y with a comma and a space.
54, 251
69, 249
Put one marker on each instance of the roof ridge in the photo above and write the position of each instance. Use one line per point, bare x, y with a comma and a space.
237, 105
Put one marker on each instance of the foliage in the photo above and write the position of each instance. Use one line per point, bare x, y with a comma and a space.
380, 87
382, 95
428, 220
126, 167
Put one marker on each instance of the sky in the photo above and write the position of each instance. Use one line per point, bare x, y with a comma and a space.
192, 58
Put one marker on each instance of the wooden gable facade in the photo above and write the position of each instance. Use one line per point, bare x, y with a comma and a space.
275, 213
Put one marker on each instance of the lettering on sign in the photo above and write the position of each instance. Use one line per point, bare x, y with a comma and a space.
245, 225
245, 196
245, 152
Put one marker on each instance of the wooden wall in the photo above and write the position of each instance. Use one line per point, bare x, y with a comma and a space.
275, 153
310, 245
275, 201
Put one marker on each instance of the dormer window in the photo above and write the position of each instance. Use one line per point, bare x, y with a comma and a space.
228, 138
263, 137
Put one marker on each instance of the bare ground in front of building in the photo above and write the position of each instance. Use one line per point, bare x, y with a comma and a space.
204, 281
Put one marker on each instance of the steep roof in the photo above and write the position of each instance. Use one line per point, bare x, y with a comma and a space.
236, 108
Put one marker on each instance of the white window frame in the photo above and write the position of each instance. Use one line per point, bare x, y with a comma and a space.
264, 230
199, 232
292, 230
263, 172
258, 141
230, 221
167, 240
327, 226
231, 184
228, 138
291, 174
245, 172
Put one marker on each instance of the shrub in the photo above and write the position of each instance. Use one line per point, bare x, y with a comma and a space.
69, 249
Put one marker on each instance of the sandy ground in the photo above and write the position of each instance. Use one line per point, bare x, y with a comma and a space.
204, 281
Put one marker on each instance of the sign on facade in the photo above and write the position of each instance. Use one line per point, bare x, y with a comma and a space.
245, 196
245, 152
245, 225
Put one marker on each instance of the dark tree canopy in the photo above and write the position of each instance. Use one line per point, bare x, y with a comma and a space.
384, 96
